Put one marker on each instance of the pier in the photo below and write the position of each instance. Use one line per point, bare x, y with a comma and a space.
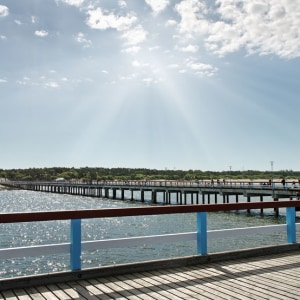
171, 192
258, 273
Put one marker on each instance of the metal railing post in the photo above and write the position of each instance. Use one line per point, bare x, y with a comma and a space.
291, 224
201, 233
75, 246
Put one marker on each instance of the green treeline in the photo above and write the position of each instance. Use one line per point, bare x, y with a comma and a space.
88, 173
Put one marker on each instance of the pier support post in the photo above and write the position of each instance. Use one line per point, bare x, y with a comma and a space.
75, 246
142, 195
248, 200
201, 233
153, 197
291, 224
276, 209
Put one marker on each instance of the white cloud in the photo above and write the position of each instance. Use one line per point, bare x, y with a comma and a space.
76, 3
132, 50
201, 68
139, 64
18, 22
157, 5
190, 48
41, 33
135, 36
24, 81
81, 39
33, 19
170, 23
260, 26
52, 84
173, 66
122, 3
99, 20
192, 13
4, 11
3, 37
3, 81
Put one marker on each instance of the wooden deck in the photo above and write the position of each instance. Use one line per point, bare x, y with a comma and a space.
266, 277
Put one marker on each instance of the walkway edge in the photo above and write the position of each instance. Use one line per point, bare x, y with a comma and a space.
35, 280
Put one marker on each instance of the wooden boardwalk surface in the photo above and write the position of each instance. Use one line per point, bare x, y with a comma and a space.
266, 277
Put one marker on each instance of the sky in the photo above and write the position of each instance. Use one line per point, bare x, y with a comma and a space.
159, 84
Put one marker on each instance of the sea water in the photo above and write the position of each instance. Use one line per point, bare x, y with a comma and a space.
54, 232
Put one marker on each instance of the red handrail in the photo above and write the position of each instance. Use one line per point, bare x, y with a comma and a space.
139, 211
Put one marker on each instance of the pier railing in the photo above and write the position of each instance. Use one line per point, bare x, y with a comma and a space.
201, 235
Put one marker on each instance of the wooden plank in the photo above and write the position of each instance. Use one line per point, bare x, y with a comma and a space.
71, 291
258, 278
272, 277
176, 284
130, 285
34, 294
142, 287
61, 295
109, 292
21, 294
232, 284
93, 290
46, 293
81, 290
190, 285
200, 286
215, 285
119, 287
9, 295
214, 275
166, 285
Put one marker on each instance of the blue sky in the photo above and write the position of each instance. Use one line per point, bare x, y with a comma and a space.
187, 84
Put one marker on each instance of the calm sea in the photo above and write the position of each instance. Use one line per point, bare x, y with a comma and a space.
36, 233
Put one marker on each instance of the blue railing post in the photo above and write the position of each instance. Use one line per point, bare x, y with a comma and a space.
201, 233
291, 224
75, 246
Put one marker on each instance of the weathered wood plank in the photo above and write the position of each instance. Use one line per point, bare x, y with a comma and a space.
263, 278
61, 295
34, 294
71, 291
230, 284
269, 277
9, 295
131, 285
175, 283
166, 285
108, 291
46, 293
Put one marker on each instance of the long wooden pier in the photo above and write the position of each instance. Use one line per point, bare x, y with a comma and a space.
184, 192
